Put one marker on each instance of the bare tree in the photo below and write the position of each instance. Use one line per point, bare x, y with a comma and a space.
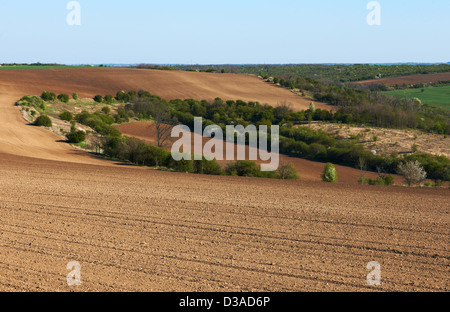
164, 122
362, 165
412, 171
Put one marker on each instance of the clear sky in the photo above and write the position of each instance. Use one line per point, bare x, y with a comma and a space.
224, 32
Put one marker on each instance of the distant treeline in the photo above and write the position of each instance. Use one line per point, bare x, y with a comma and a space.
300, 142
336, 73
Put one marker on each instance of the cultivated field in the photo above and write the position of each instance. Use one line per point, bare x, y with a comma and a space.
438, 96
137, 229
411, 79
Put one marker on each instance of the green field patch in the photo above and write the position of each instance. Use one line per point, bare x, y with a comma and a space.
438, 96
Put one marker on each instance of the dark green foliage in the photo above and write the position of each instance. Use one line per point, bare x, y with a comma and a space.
109, 98
63, 98
75, 96
100, 122
32, 101
66, 115
106, 110
246, 168
98, 98
76, 136
124, 97
388, 180
207, 167
337, 73
43, 121
48, 96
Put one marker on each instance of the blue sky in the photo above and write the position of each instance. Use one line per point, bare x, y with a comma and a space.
224, 32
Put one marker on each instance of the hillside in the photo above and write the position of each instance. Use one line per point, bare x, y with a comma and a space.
134, 229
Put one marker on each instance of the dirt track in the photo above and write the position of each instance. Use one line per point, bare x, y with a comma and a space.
135, 229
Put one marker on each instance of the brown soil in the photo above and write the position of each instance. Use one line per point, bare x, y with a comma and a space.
308, 170
167, 84
412, 79
136, 229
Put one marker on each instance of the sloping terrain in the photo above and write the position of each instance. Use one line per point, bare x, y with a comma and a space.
167, 84
307, 170
136, 229
411, 79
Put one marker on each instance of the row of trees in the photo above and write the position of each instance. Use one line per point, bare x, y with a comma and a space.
138, 152
335, 73
301, 142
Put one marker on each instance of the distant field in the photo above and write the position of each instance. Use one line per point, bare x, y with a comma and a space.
439, 96
41, 66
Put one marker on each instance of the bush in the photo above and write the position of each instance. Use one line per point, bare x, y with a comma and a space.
109, 99
329, 173
388, 180
288, 172
106, 110
183, 166
48, 96
243, 168
76, 136
428, 184
43, 121
412, 171
98, 98
207, 167
75, 96
32, 101
66, 115
63, 98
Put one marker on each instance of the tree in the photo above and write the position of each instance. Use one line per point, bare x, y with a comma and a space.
66, 115
164, 122
362, 165
329, 173
63, 98
106, 110
412, 172
288, 171
109, 98
43, 121
48, 96
76, 136
98, 98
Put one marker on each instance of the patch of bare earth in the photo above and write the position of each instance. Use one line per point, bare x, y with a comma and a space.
387, 141
137, 229
409, 80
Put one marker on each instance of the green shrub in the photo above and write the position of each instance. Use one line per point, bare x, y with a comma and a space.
109, 98
379, 181
48, 96
66, 115
329, 173
106, 110
428, 184
388, 180
207, 167
75, 96
63, 98
43, 121
98, 98
76, 136
243, 168
288, 172
183, 166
